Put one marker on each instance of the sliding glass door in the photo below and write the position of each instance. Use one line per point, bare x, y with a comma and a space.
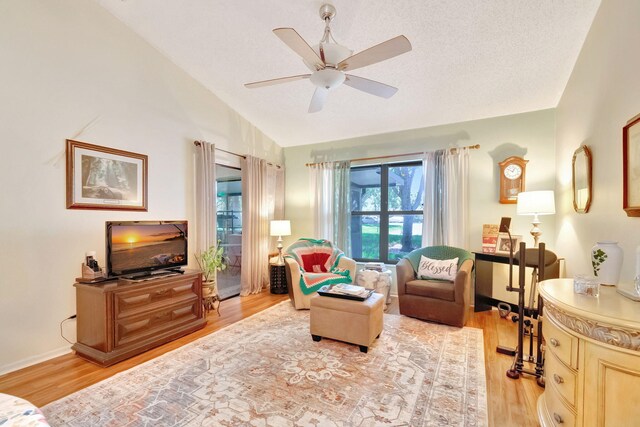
229, 227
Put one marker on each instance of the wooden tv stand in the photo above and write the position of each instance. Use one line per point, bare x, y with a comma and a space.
122, 318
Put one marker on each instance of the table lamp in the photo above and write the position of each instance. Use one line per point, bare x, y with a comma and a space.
280, 228
536, 203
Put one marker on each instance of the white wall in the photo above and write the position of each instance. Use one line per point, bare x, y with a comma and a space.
601, 95
71, 70
530, 135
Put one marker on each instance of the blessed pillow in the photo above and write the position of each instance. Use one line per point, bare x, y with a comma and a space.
445, 269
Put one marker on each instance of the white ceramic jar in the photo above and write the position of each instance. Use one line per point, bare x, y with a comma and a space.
606, 259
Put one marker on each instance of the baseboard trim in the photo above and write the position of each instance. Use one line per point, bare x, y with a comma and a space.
34, 360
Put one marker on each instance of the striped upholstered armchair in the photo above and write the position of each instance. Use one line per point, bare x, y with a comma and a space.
312, 263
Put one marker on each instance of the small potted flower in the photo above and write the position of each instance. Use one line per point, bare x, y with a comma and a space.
210, 262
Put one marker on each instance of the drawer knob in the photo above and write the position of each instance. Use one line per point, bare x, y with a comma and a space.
558, 379
161, 292
554, 342
557, 418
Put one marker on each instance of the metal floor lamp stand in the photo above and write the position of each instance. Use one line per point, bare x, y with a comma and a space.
526, 326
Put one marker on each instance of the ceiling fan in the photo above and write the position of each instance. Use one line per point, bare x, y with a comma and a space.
329, 60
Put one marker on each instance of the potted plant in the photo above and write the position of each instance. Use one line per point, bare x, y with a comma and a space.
210, 262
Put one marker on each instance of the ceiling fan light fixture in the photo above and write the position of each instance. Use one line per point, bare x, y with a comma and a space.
328, 62
327, 78
333, 53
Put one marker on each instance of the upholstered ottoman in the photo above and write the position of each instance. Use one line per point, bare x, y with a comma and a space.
355, 322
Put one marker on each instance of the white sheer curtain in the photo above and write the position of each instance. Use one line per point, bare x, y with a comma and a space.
321, 196
262, 200
457, 198
205, 196
329, 187
446, 205
275, 197
342, 206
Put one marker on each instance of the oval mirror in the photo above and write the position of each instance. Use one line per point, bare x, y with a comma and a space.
582, 179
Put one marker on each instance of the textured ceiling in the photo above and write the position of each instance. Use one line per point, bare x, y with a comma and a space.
471, 59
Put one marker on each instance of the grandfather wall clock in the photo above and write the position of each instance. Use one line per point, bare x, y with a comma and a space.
512, 173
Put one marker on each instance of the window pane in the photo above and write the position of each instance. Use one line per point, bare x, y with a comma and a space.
365, 236
406, 188
365, 189
405, 235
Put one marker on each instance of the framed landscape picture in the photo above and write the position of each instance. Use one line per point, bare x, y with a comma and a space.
105, 178
504, 244
631, 167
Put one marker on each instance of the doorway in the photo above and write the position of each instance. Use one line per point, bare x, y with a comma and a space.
229, 227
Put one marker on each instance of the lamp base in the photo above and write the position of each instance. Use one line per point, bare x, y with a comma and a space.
536, 232
280, 260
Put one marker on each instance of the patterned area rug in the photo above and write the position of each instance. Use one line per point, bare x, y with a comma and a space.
266, 371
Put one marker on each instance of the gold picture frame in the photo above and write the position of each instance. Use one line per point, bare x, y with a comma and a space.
581, 181
105, 178
631, 167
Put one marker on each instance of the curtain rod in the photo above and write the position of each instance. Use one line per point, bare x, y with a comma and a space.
452, 150
198, 144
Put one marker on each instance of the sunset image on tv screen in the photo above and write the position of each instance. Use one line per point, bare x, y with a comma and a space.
135, 247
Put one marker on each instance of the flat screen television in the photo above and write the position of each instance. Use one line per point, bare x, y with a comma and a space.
138, 248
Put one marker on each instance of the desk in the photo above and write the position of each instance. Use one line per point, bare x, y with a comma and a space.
484, 294
488, 294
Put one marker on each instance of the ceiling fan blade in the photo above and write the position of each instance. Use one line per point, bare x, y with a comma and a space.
292, 39
318, 100
277, 81
370, 86
385, 50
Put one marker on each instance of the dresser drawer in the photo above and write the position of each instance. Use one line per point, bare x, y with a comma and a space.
136, 328
562, 378
135, 301
559, 414
560, 343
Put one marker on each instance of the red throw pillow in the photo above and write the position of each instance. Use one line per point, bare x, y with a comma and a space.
315, 262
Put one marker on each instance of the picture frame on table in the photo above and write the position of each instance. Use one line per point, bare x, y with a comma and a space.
105, 178
631, 167
503, 245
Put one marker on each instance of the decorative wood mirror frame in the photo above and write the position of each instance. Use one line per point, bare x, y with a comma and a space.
631, 167
581, 172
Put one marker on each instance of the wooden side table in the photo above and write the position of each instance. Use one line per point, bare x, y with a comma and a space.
278, 279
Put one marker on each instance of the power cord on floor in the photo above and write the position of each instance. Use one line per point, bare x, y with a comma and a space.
61, 323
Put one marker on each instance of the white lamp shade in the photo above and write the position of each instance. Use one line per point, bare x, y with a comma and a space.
280, 228
536, 203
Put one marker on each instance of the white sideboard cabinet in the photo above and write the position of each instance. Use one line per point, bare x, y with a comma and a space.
592, 358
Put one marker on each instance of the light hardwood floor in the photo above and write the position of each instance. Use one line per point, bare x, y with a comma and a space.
510, 402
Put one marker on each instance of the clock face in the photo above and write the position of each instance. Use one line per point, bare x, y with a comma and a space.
512, 171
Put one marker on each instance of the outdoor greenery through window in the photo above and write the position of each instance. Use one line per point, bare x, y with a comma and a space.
386, 211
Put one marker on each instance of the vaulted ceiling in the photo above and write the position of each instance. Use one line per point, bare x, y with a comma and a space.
470, 59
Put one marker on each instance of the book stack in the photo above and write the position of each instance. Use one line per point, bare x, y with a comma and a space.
376, 266
353, 290
489, 238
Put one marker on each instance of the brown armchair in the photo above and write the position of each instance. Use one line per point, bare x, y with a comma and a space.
436, 300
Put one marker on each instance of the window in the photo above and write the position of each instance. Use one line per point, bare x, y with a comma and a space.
386, 211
